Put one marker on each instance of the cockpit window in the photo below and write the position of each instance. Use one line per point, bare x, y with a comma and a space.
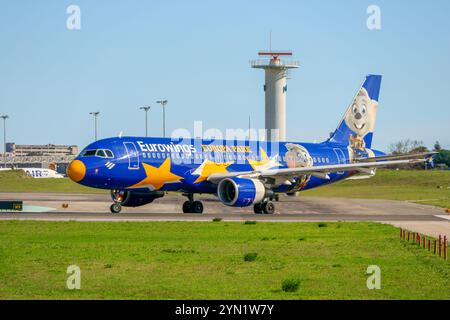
101, 153
109, 154
89, 153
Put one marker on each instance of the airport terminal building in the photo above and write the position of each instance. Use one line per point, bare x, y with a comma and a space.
21, 150
52, 156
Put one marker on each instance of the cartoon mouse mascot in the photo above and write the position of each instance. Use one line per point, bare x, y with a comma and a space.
360, 118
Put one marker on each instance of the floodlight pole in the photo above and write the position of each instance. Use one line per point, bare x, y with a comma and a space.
146, 109
4, 117
95, 114
249, 128
163, 104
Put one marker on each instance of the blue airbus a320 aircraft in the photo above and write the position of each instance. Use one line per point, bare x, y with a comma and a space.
240, 173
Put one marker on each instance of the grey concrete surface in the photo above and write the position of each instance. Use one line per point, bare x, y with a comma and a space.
300, 207
430, 228
172, 204
95, 207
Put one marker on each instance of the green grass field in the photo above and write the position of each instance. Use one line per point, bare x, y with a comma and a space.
205, 260
18, 181
410, 185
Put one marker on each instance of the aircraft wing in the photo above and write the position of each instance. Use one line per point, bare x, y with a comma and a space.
316, 171
423, 155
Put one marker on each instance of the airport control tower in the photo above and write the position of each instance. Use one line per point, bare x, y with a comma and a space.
275, 87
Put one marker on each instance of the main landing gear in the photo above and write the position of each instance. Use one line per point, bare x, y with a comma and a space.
192, 206
266, 207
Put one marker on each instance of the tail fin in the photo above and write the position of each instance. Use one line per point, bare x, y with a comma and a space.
358, 123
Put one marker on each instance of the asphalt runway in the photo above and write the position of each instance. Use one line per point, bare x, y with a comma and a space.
95, 207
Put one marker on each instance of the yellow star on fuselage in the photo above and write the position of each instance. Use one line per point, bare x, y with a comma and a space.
157, 177
209, 167
264, 163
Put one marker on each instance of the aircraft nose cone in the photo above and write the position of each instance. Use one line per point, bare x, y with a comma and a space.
76, 170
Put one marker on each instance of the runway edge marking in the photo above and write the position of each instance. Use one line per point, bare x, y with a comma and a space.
446, 217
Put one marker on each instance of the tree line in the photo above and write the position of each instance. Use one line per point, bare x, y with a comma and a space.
441, 160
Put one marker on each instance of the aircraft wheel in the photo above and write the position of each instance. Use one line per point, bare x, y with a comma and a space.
115, 208
257, 208
187, 208
269, 207
197, 207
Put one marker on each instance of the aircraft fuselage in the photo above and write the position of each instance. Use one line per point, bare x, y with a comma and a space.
162, 164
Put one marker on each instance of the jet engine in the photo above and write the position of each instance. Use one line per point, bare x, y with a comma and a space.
135, 198
239, 192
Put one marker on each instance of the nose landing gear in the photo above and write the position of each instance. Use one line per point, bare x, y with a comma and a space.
117, 197
115, 208
192, 206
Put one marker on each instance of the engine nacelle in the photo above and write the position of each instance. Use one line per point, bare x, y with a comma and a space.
238, 192
135, 198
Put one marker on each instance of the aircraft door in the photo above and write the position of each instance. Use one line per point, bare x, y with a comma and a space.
133, 155
341, 158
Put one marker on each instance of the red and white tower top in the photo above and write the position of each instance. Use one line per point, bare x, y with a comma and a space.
274, 60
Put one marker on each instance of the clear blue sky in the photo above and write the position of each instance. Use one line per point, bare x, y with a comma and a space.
195, 54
